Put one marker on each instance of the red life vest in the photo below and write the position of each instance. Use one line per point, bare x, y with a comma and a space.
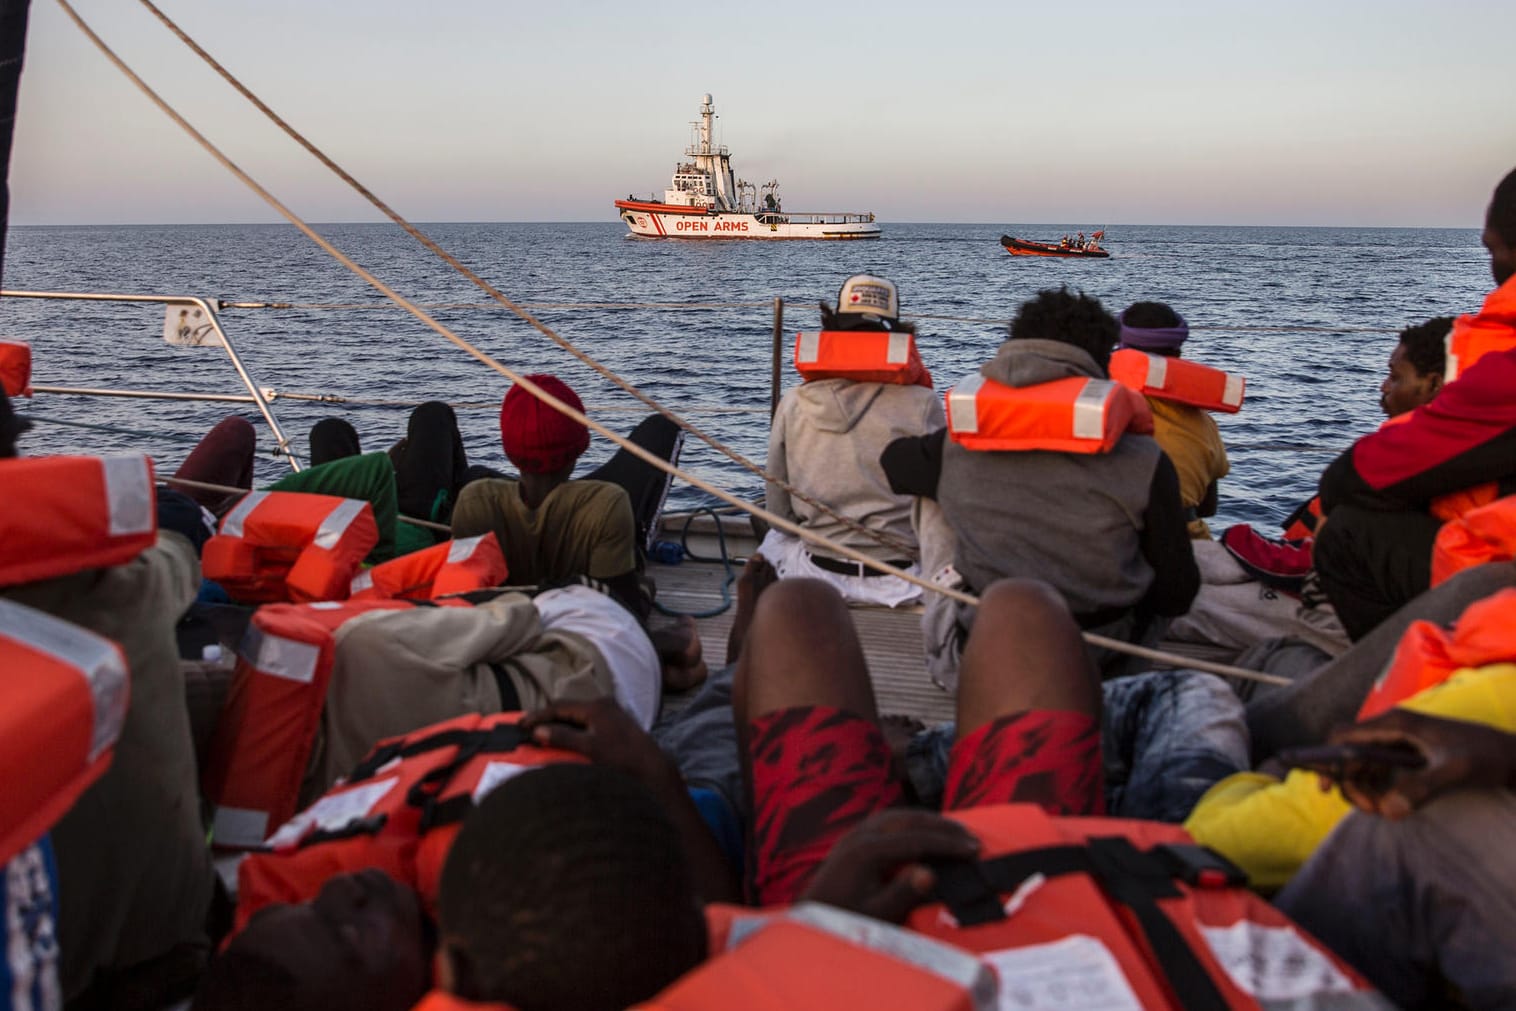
1427, 654
458, 566
1149, 918
398, 811
866, 356
16, 368
1484, 534
286, 545
65, 514
264, 737
1179, 380
1066, 415
802, 965
65, 693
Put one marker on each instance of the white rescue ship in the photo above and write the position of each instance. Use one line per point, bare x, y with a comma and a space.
706, 201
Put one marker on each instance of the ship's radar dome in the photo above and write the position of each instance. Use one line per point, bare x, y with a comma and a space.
705, 99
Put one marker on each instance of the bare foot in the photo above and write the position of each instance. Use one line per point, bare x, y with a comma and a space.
757, 576
681, 653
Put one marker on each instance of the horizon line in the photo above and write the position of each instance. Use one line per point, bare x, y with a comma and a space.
617, 222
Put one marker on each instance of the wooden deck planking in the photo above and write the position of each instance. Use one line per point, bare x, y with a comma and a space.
891, 638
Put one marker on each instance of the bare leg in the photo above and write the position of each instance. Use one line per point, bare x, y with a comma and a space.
1028, 707
802, 650
757, 576
1024, 653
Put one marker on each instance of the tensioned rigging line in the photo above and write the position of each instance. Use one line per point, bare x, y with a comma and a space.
878, 536
563, 408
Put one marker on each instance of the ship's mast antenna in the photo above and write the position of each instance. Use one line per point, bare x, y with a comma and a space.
707, 114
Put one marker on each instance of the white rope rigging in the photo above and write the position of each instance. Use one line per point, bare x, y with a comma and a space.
473, 351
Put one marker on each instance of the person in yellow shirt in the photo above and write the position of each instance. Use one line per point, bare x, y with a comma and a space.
1270, 827
1187, 434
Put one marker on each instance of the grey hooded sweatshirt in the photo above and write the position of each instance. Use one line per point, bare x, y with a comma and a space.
825, 441
1105, 529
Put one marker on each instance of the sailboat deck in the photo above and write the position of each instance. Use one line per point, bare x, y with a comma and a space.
891, 637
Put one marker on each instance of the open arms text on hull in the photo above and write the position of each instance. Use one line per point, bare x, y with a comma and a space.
705, 201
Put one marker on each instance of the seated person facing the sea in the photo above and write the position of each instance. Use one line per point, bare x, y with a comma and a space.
1104, 529
1416, 367
825, 442
1373, 553
551, 527
1187, 434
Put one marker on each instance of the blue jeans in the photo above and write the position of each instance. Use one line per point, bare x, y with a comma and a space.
1166, 738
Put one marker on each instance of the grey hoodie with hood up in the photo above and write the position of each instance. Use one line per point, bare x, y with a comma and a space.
1075, 520
825, 441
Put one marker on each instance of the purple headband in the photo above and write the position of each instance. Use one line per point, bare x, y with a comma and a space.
1161, 338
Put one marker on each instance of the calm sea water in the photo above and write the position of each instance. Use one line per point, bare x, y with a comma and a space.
1333, 296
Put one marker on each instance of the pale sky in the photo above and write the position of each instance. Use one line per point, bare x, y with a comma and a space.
1288, 113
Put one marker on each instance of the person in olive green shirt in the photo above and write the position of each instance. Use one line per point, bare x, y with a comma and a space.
551, 527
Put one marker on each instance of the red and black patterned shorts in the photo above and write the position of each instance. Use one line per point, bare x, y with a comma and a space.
818, 771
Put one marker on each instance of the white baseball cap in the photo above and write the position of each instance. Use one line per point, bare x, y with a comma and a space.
869, 296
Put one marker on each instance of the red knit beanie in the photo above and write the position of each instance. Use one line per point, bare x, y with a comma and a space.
537, 439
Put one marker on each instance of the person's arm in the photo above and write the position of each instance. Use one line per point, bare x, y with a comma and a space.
913, 463
1208, 503
606, 734
776, 499
880, 868
1463, 437
1455, 754
1165, 541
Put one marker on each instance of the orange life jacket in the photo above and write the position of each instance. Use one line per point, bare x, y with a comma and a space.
1484, 534
1471, 338
1427, 654
458, 566
264, 736
1153, 919
65, 693
1179, 380
863, 355
16, 368
1066, 415
793, 964
398, 811
286, 545
65, 514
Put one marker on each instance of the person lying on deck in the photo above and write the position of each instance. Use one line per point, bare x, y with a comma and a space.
825, 441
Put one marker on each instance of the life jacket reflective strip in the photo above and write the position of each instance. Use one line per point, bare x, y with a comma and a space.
1427, 654
1179, 380
1484, 534
65, 693
1066, 415
285, 545
866, 356
398, 811
1174, 921
65, 514
1470, 340
263, 739
458, 566
16, 368
802, 965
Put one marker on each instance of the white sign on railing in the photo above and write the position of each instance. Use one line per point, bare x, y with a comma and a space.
187, 325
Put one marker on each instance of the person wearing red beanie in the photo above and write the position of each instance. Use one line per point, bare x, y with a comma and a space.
551, 527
